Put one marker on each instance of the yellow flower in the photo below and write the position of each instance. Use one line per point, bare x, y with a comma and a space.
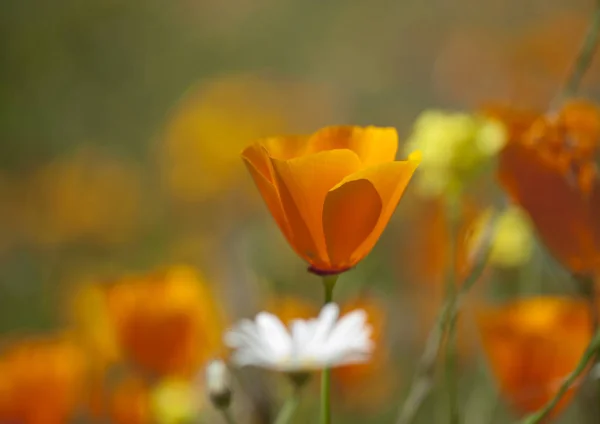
199, 152
175, 402
453, 147
89, 316
512, 243
331, 193
511, 240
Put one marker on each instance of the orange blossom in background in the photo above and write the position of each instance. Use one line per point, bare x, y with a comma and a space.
549, 168
41, 381
532, 345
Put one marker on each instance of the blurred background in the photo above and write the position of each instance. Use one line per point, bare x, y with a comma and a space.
131, 235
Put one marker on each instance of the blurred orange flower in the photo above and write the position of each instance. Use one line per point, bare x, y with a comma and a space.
130, 402
289, 308
541, 57
368, 385
41, 381
332, 193
167, 322
548, 167
69, 200
430, 242
532, 345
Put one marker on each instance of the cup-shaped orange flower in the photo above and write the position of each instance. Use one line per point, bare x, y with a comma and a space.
331, 193
167, 323
549, 168
41, 381
532, 345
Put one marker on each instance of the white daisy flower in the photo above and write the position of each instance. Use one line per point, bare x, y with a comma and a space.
307, 345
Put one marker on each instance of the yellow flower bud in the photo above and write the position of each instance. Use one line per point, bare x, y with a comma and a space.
453, 148
175, 402
513, 239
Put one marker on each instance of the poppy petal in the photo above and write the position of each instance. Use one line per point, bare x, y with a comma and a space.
595, 217
257, 157
350, 214
267, 190
532, 345
390, 180
557, 209
373, 145
287, 147
303, 184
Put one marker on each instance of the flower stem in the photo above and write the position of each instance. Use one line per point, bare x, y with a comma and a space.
424, 378
584, 57
453, 216
587, 288
289, 407
291, 404
227, 416
587, 357
328, 283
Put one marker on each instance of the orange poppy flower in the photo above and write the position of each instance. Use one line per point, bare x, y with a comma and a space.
167, 323
548, 167
331, 193
41, 381
532, 345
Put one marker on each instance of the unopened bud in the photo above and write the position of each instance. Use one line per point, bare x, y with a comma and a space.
218, 384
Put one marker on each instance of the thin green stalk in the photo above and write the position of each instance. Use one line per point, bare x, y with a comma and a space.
328, 284
227, 416
289, 407
584, 57
587, 357
291, 404
587, 288
453, 215
424, 378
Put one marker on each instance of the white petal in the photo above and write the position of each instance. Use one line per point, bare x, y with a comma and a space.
302, 332
274, 334
310, 344
325, 322
246, 339
347, 329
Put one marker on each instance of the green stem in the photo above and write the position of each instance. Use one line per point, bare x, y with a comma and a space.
583, 60
587, 288
289, 407
453, 215
424, 378
588, 356
328, 284
227, 416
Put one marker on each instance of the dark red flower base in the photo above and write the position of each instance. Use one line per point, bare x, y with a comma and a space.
326, 272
